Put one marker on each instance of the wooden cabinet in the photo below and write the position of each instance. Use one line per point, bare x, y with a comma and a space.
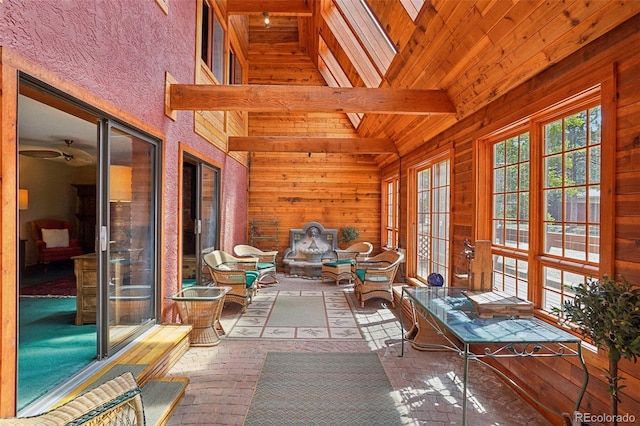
86, 287
85, 268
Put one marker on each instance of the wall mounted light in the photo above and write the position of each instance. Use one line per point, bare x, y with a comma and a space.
267, 21
23, 199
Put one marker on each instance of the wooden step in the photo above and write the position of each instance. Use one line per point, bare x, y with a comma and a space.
161, 397
149, 358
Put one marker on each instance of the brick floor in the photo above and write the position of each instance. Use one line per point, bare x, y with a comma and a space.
427, 385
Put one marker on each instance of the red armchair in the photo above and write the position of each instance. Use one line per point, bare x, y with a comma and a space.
62, 251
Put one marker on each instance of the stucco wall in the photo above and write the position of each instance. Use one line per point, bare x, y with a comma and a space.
119, 51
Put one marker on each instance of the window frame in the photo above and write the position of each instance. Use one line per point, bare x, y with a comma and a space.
210, 59
446, 154
394, 204
602, 94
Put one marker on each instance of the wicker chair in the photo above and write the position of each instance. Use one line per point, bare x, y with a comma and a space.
267, 262
362, 250
338, 266
116, 402
374, 276
240, 274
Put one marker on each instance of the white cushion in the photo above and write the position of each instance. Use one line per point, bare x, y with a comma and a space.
55, 237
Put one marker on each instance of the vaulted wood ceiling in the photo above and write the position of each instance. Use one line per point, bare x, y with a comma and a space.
474, 51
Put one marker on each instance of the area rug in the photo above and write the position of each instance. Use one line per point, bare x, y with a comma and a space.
323, 389
297, 311
61, 287
297, 315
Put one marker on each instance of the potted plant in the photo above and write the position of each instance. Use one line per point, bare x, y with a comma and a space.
607, 313
349, 234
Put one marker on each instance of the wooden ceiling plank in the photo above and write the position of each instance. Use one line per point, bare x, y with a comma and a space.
273, 7
311, 145
308, 99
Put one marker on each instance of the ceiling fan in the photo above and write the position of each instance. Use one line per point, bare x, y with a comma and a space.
70, 156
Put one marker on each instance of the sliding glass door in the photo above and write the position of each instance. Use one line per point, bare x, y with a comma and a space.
129, 236
200, 213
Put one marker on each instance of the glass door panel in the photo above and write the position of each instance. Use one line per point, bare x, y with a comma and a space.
209, 208
200, 212
131, 257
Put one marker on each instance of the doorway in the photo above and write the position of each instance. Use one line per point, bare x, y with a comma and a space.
88, 237
200, 217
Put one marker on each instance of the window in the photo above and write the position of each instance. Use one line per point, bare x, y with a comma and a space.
432, 219
545, 201
235, 68
511, 213
390, 212
412, 7
212, 42
334, 75
571, 199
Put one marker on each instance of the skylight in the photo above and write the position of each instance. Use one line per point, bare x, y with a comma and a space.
369, 32
334, 75
349, 29
412, 7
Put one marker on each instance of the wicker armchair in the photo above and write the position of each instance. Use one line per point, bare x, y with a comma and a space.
374, 276
116, 402
240, 274
267, 262
362, 250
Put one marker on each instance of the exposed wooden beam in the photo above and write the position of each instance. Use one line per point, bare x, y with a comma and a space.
275, 98
274, 7
324, 145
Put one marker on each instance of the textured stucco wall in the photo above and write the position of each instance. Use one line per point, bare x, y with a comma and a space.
119, 51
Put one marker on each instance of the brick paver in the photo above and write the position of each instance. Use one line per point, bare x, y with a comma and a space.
427, 385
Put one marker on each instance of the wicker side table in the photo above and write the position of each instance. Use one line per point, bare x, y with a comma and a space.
201, 307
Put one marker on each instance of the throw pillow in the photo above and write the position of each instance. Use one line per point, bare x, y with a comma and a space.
55, 237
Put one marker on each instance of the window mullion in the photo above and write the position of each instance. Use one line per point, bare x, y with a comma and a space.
536, 213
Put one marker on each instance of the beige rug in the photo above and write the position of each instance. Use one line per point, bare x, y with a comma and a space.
297, 315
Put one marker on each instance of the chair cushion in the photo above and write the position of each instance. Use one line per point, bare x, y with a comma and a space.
189, 282
377, 279
251, 277
360, 273
55, 237
265, 265
340, 262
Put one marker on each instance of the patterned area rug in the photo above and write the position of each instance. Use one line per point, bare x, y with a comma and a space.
297, 315
323, 389
61, 287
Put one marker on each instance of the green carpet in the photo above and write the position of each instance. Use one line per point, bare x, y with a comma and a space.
296, 311
51, 347
323, 389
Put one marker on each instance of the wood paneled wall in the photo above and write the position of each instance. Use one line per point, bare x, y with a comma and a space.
556, 382
334, 189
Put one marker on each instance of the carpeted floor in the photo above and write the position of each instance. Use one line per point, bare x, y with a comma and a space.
297, 315
323, 389
51, 347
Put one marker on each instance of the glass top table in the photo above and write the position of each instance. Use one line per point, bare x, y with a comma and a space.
201, 306
454, 310
451, 313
